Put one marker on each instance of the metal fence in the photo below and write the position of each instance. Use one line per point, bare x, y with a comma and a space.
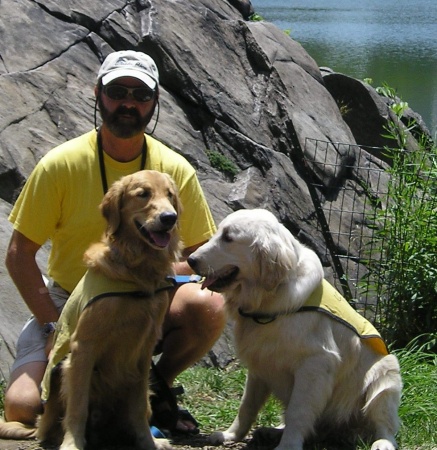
349, 186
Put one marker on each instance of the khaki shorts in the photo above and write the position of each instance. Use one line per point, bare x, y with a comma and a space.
31, 344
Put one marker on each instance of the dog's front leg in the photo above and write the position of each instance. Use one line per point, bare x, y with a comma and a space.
77, 383
49, 428
138, 405
139, 413
313, 386
255, 395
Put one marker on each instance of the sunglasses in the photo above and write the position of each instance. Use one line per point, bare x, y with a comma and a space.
118, 92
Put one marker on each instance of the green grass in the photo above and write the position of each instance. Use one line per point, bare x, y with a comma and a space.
213, 396
418, 409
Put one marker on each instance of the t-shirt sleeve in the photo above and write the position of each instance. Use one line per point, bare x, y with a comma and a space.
37, 209
197, 223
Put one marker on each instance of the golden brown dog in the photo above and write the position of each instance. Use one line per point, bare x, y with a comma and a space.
98, 373
112, 333
299, 339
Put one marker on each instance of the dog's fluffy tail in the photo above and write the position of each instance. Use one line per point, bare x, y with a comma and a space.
383, 385
16, 430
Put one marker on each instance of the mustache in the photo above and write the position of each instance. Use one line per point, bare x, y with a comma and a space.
125, 111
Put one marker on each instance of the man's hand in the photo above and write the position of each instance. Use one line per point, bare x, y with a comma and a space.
49, 344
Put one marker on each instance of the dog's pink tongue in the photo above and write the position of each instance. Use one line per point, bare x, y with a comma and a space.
160, 239
208, 281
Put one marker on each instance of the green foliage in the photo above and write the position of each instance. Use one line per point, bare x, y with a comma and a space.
398, 106
344, 108
2, 395
386, 91
255, 17
407, 233
418, 409
221, 163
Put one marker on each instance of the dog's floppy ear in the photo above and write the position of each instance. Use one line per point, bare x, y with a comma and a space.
111, 206
276, 257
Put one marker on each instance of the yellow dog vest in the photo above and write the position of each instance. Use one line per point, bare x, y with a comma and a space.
328, 300
92, 287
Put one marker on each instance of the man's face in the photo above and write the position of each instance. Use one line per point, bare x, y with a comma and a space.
126, 114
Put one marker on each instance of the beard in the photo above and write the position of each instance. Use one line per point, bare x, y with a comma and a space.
125, 122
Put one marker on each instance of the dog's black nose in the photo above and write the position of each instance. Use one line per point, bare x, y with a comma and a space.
192, 262
168, 218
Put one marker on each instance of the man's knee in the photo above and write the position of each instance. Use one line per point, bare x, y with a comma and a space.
22, 402
22, 406
203, 309
209, 313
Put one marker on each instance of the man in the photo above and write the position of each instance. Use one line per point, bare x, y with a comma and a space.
60, 202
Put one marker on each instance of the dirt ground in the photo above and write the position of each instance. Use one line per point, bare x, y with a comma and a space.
181, 443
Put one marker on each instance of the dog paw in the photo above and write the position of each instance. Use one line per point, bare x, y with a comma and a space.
70, 443
162, 444
220, 437
383, 444
217, 438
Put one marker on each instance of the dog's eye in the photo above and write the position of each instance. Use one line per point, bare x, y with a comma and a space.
144, 193
226, 236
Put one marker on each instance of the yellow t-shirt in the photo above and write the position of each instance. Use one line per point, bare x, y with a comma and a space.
60, 201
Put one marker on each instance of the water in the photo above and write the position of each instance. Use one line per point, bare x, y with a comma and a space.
389, 41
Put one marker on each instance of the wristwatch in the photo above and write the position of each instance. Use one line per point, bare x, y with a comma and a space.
48, 328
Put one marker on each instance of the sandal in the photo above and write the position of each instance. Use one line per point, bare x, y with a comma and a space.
165, 410
185, 416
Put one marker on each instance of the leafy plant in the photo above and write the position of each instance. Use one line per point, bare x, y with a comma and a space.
344, 108
255, 17
2, 395
221, 163
386, 91
407, 233
397, 105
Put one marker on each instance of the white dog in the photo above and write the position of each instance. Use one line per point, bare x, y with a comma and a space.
298, 337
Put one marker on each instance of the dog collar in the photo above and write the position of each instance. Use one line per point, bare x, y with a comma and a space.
261, 318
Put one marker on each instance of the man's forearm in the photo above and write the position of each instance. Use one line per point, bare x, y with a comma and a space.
28, 279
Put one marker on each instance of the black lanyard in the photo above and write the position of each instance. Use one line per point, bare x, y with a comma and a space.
102, 161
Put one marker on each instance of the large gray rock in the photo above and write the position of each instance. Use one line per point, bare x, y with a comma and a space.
241, 89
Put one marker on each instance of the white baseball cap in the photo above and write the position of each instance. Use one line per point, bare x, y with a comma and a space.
128, 63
